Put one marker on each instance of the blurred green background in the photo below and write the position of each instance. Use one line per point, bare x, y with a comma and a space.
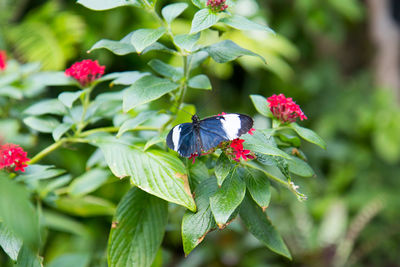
330, 56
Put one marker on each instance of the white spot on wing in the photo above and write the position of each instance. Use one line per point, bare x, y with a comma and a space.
231, 124
176, 134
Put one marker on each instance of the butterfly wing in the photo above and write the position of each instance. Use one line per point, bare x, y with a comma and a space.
217, 129
184, 140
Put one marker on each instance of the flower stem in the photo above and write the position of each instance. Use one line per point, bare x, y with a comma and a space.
47, 150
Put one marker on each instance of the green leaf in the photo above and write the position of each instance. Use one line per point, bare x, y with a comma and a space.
203, 19
143, 38
146, 89
85, 206
131, 124
200, 81
259, 187
259, 225
300, 167
195, 226
107, 4
308, 135
156, 172
222, 168
200, 3
259, 143
129, 77
42, 124
166, 70
11, 92
227, 50
138, 229
159, 47
88, 182
52, 78
36, 172
60, 130
224, 202
261, 105
68, 98
71, 259
10, 243
172, 11
17, 213
50, 106
28, 258
122, 47
187, 42
63, 223
242, 23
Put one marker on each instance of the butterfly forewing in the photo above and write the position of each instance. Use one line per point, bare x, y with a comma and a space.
200, 136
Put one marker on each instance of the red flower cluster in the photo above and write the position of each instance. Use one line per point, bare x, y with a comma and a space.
3, 60
217, 5
13, 156
239, 152
85, 71
285, 109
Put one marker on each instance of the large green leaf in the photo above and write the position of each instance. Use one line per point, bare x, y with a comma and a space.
60, 130
10, 243
42, 124
261, 105
308, 135
143, 38
107, 4
222, 168
203, 19
17, 213
120, 48
300, 167
228, 197
227, 50
187, 42
166, 70
259, 225
28, 258
242, 23
259, 187
156, 172
146, 89
68, 98
52, 78
172, 11
50, 106
138, 229
88, 182
36, 172
196, 225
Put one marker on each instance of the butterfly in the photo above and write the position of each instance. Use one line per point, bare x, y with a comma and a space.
201, 135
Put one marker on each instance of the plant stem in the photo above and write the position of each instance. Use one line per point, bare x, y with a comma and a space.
186, 72
47, 150
113, 129
85, 104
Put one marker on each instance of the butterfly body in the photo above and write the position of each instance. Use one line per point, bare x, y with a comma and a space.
202, 135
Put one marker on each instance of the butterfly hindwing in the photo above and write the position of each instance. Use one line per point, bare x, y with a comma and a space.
182, 138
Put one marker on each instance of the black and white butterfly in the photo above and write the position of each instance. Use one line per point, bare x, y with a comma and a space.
201, 135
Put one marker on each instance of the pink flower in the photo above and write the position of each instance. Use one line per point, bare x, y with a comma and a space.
3, 60
85, 71
217, 5
238, 151
285, 109
13, 156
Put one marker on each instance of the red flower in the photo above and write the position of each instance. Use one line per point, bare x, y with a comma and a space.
193, 157
239, 152
251, 131
3, 60
13, 156
85, 71
285, 109
217, 5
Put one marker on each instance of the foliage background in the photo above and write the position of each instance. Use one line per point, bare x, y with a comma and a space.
322, 57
